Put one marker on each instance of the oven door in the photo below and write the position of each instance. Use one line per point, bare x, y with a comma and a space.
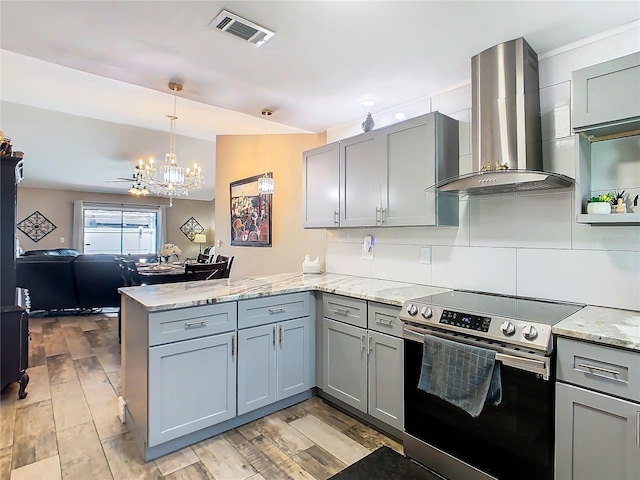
512, 440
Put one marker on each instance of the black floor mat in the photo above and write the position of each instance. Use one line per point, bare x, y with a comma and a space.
385, 464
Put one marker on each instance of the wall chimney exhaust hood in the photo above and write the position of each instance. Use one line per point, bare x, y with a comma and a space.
506, 133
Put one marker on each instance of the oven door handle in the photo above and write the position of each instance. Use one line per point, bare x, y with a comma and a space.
541, 367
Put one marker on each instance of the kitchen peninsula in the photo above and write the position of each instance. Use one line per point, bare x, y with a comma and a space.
199, 358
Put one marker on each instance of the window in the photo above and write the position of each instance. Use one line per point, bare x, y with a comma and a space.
120, 229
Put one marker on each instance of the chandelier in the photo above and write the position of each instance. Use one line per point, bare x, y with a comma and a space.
265, 183
169, 179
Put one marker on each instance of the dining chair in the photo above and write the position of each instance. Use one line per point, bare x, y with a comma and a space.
229, 261
204, 271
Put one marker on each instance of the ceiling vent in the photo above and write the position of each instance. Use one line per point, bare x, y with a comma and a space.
241, 28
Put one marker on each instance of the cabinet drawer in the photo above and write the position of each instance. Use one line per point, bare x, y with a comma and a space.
600, 368
384, 319
344, 309
195, 322
260, 311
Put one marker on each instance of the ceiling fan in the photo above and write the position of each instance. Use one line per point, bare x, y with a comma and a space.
137, 188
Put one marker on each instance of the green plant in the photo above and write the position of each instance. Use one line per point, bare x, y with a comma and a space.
605, 197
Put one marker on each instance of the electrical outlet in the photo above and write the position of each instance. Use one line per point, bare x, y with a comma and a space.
367, 252
61, 239
425, 255
121, 409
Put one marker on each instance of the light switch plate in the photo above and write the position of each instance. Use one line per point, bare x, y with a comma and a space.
425, 255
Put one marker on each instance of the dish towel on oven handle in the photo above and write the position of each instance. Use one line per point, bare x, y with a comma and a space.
463, 375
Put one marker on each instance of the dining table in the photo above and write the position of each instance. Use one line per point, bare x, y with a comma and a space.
152, 274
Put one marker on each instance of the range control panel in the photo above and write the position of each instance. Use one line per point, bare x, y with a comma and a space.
465, 320
531, 335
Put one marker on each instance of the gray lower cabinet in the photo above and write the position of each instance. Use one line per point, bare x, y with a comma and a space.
192, 385
345, 363
364, 369
596, 436
597, 412
275, 361
386, 378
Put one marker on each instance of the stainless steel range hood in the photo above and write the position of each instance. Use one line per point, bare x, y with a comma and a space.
506, 135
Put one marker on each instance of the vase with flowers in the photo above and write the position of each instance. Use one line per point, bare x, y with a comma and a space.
601, 203
167, 250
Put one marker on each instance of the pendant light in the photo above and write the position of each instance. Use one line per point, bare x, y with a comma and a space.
265, 183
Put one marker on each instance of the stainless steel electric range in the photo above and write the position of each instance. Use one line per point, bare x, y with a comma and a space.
512, 440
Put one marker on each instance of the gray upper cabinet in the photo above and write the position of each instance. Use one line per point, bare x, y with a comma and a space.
606, 106
382, 176
362, 180
419, 152
321, 186
606, 96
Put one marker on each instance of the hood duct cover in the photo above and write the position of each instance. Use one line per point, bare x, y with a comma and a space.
506, 132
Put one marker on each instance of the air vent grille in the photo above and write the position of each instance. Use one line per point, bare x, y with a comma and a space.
241, 28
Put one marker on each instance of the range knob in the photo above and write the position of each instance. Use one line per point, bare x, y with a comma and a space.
507, 328
426, 312
529, 332
412, 309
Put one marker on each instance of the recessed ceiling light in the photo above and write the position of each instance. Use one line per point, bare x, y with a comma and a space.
400, 116
368, 103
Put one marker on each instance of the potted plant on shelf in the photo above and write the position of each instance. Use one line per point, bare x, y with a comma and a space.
601, 203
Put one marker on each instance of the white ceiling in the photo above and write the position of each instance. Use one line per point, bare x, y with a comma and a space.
101, 69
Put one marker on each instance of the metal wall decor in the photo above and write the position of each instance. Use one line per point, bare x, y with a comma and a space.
36, 226
190, 228
250, 213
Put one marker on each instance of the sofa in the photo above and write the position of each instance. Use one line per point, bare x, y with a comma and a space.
64, 282
52, 252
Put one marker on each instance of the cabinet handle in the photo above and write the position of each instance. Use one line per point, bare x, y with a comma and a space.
281, 334
277, 310
369, 342
600, 369
383, 321
362, 343
274, 336
196, 323
638, 429
342, 311
377, 215
383, 212
336, 217
233, 346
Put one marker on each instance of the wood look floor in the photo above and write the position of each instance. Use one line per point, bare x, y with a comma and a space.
67, 427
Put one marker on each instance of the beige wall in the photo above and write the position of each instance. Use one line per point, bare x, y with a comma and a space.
239, 157
57, 206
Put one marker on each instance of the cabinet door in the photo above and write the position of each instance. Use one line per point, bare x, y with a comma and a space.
596, 436
386, 376
296, 357
606, 92
192, 385
345, 363
321, 186
256, 367
361, 180
410, 169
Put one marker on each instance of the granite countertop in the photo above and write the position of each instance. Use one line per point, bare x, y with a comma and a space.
607, 326
188, 294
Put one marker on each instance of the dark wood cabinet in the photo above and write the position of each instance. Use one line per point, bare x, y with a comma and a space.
14, 319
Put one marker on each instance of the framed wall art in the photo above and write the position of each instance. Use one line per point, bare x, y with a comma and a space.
250, 214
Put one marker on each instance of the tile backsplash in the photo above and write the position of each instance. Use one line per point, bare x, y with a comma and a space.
525, 244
